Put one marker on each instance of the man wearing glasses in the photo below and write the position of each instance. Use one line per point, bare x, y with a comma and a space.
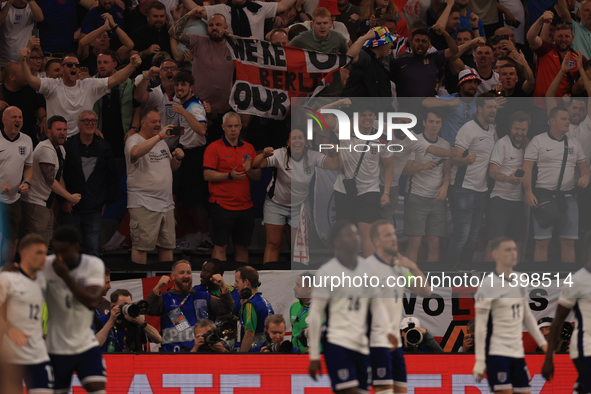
89, 169
69, 96
161, 97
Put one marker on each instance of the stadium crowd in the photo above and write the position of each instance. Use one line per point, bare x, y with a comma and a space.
144, 87
93, 89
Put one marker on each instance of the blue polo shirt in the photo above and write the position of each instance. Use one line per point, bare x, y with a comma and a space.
465, 24
456, 117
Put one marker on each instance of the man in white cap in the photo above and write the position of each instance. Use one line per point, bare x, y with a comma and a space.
459, 107
416, 338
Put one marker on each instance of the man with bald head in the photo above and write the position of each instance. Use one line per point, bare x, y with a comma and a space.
15, 92
214, 71
16, 173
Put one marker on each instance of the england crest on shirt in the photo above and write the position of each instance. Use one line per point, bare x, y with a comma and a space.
169, 111
373, 150
308, 170
22, 150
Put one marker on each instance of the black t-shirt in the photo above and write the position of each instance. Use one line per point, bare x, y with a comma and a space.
28, 101
112, 122
146, 36
134, 19
518, 101
345, 18
89, 62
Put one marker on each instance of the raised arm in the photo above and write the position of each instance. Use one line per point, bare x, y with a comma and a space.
452, 49
127, 44
4, 12
140, 94
36, 12
284, 5
176, 31
553, 88
260, 160
30, 79
358, 45
530, 79
85, 42
442, 21
563, 11
146, 146
434, 102
120, 76
532, 35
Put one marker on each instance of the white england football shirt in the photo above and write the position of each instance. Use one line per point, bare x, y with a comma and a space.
23, 298
474, 139
548, 152
368, 178
392, 297
402, 154
15, 32
508, 309
582, 132
348, 308
291, 180
14, 155
427, 183
509, 158
69, 327
578, 298
191, 139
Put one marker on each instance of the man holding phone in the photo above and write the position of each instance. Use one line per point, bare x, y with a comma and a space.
149, 189
504, 215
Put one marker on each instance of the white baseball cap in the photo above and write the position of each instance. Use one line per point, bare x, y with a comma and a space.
405, 322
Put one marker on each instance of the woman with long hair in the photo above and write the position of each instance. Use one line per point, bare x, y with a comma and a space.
293, 169
372, 10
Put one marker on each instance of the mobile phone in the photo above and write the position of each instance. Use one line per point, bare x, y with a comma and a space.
519, 173
177, 130
378, 12
441, 161
35, 33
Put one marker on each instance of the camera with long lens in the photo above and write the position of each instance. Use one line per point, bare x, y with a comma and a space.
413, 336
303, 337
210, 338
567, 331
133, 310
283, 347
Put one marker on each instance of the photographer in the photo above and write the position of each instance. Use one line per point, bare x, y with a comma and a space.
207, 339
275, 333
563, 344
254, 309
121, 332
298, 313
468, 342
417, 339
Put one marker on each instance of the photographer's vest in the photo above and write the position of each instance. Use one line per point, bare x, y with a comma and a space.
263, 309
194, 307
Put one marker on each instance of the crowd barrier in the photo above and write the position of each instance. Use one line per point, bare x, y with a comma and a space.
264, 373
